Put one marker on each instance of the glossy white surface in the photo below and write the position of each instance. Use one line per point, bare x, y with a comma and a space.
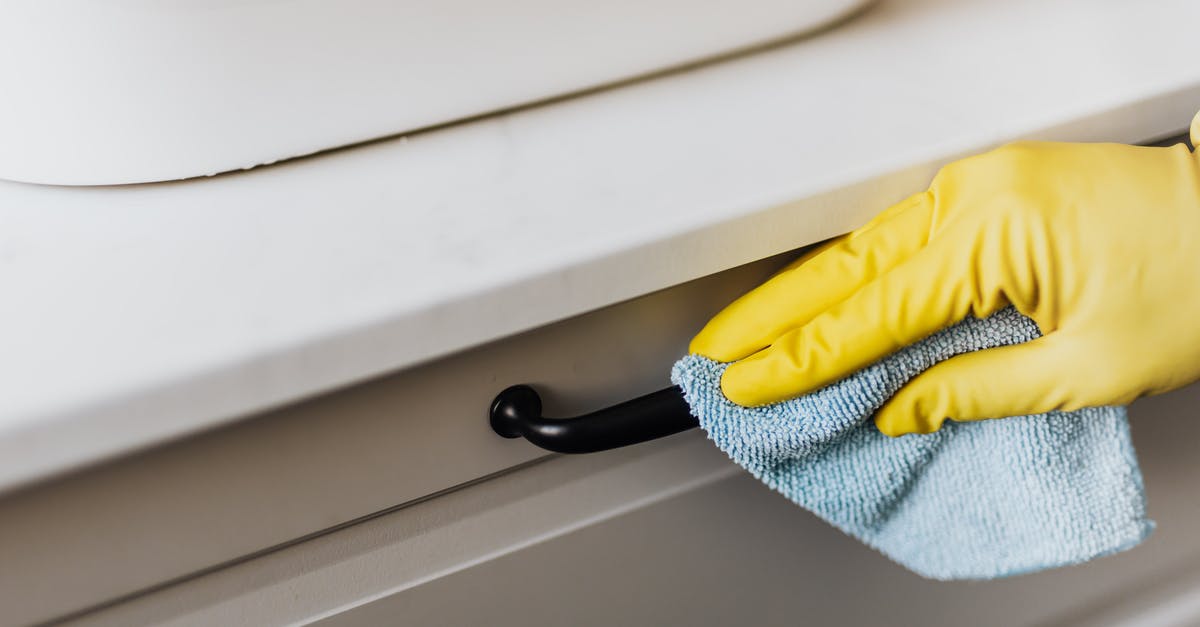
132, 315
126, 91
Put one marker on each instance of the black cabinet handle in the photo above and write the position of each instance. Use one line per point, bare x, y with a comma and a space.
517, 412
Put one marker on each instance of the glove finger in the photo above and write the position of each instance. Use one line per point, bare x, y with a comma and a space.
816, 282
880, 218
930, 291
1030, 378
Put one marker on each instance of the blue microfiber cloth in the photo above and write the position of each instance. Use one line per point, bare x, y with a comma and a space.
973, 501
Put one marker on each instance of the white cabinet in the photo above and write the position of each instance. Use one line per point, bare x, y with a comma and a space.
393, 503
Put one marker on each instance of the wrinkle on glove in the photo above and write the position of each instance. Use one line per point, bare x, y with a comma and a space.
972, 501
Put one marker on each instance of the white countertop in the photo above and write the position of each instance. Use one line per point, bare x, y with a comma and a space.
132, 315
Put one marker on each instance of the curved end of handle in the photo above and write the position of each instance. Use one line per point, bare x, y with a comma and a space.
513, 407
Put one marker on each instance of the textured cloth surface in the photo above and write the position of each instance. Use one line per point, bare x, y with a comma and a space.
972, 501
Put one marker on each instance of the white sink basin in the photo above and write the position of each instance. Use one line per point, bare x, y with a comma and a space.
124, 91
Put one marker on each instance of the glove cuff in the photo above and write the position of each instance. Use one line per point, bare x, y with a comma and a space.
1195, 133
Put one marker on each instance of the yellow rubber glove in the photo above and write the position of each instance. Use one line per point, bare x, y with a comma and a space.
1098, 243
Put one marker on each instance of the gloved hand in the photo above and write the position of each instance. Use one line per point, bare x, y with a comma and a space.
1098, 243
